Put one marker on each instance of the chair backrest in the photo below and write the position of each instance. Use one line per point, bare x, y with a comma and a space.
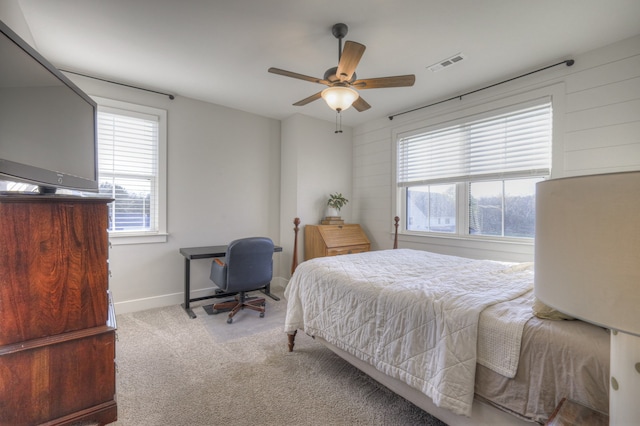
249, 263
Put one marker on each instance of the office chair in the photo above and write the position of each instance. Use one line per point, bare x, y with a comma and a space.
247, 266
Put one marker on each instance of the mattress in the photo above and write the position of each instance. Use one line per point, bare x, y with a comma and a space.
557, 359
417, 317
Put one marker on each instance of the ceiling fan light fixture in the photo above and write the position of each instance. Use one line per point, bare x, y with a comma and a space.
339, 98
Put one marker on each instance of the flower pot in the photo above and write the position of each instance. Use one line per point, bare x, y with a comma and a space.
332, 212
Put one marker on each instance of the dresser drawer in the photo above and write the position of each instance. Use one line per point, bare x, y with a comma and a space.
70, 375
348, 250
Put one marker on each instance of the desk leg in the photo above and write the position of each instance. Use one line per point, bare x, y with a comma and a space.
267, 290
187, 287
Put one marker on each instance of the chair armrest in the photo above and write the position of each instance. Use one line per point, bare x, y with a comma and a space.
219, 272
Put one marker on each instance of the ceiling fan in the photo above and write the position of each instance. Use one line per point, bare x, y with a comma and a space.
342, 80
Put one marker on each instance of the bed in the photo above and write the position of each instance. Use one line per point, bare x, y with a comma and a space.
455, 336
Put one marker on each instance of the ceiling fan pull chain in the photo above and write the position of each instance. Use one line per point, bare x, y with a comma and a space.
338, 120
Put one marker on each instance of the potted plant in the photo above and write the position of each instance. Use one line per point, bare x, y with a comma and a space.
335, 203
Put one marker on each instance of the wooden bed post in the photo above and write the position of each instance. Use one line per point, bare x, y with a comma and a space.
395, 239
292, 339
294, 263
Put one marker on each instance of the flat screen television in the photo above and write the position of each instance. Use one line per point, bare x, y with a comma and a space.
47, 124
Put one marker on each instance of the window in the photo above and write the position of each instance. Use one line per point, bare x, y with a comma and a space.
477, 176
432, 208
131, 168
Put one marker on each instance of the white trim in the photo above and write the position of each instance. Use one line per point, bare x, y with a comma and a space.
555, 91
169, 299
159, 236
125, 239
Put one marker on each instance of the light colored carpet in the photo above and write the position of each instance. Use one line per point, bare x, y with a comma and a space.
246, 322
173, 370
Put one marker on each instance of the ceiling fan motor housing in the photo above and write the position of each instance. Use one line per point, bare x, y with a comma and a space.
331, 76
340, 30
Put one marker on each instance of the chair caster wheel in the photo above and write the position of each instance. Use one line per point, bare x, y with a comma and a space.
229, 320
261, 314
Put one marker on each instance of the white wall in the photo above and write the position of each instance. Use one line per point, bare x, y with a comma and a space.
11, 14
316, 162
223, 183
233, 174
598, 132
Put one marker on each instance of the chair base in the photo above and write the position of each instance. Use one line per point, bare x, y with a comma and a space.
240, 302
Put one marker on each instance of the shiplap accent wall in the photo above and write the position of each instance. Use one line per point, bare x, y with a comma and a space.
598, 132
603, 111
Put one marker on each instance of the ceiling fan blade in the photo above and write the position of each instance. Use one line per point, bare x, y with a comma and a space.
382, 82
298, 76
309, 99
349, 60
361, 105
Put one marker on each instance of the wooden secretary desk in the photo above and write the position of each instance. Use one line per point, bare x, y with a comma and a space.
334, 240
57, 328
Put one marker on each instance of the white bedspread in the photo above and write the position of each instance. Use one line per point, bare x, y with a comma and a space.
411, 314
500, 334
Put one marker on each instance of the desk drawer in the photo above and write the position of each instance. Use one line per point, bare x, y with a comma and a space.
348, 250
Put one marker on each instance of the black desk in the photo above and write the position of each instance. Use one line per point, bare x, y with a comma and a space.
205, 253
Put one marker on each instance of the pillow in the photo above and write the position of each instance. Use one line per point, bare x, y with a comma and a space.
547, 312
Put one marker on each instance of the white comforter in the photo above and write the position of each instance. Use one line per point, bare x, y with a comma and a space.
411, 314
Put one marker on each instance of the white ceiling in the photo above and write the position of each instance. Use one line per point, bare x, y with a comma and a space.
219, 51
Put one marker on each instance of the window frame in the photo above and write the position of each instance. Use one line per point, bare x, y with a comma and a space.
445, 116
134, 110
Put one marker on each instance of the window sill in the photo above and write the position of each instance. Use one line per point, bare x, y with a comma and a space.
132, 238
513, 250
477, 238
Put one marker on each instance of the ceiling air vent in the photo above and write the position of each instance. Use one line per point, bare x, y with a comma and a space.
447, 62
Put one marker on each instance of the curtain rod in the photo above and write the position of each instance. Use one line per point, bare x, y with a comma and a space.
120, 84
569, 63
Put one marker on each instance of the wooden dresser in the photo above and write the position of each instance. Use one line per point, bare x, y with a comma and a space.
57, 349
333, 240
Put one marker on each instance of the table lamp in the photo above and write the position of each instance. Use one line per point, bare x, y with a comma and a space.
587, 265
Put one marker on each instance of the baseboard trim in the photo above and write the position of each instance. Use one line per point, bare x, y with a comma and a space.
160, 301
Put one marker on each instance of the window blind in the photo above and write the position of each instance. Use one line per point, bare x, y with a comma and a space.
127, 164
511, 144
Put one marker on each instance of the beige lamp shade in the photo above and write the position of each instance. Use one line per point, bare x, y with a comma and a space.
339, 98
587, 264
587, 248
